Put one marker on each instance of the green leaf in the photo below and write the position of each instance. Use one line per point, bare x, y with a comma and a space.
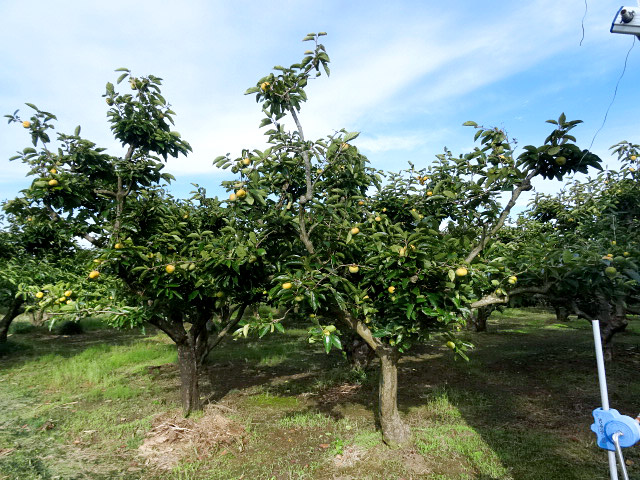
380, 333
313, 300
470, 124
410, 309
350, 136
632, 274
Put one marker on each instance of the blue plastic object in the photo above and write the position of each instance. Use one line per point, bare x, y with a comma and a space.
608, 422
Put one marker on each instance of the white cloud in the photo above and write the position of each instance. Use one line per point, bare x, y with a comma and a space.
399, 68
385, 143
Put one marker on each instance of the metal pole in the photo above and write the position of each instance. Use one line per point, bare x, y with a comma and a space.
604, 395
623, 467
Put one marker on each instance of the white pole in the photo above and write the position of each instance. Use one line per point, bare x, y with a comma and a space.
604, 395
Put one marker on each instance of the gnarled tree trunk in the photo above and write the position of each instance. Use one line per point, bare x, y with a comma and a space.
15, 309
479, 317
394, 431
188, 366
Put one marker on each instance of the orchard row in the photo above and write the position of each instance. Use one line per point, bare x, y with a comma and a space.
312, 231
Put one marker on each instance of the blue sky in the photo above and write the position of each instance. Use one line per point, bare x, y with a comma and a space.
406, 74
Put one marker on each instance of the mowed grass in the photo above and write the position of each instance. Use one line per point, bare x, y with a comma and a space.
79, 406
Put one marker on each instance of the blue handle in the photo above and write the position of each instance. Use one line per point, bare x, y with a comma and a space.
609, 422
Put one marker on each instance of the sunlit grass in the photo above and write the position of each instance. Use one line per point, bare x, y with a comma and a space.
304, 420
496, 417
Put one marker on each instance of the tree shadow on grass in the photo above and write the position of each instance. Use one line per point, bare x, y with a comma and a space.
283, 366
528, 396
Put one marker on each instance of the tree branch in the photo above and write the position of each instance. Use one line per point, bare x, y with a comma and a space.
494, 299
304, 236
175, 331
109, 193
524, 186
361, 329
231, 323
93, 241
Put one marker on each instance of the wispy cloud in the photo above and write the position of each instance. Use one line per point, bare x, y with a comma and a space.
402, 71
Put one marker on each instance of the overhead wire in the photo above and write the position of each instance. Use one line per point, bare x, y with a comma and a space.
586, 8
615, 93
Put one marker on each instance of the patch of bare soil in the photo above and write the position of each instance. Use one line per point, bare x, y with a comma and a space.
173, 437
349, 457
338, 394
415, 463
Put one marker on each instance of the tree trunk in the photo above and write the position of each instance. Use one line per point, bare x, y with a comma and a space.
201, 345
187, 344
562, 314
610, 312
39, 317
615, 324
359, 353
394, 430
188, 365
15, 308
479, 318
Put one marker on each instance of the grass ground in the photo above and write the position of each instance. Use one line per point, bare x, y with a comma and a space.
79, 406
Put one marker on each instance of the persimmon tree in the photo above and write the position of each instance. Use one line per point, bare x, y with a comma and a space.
397, 265
179, 265
578, 249
33, 257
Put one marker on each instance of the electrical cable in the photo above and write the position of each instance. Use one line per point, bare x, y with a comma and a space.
586, 8
615, 93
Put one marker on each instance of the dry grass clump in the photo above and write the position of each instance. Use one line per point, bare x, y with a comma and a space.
172, 437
